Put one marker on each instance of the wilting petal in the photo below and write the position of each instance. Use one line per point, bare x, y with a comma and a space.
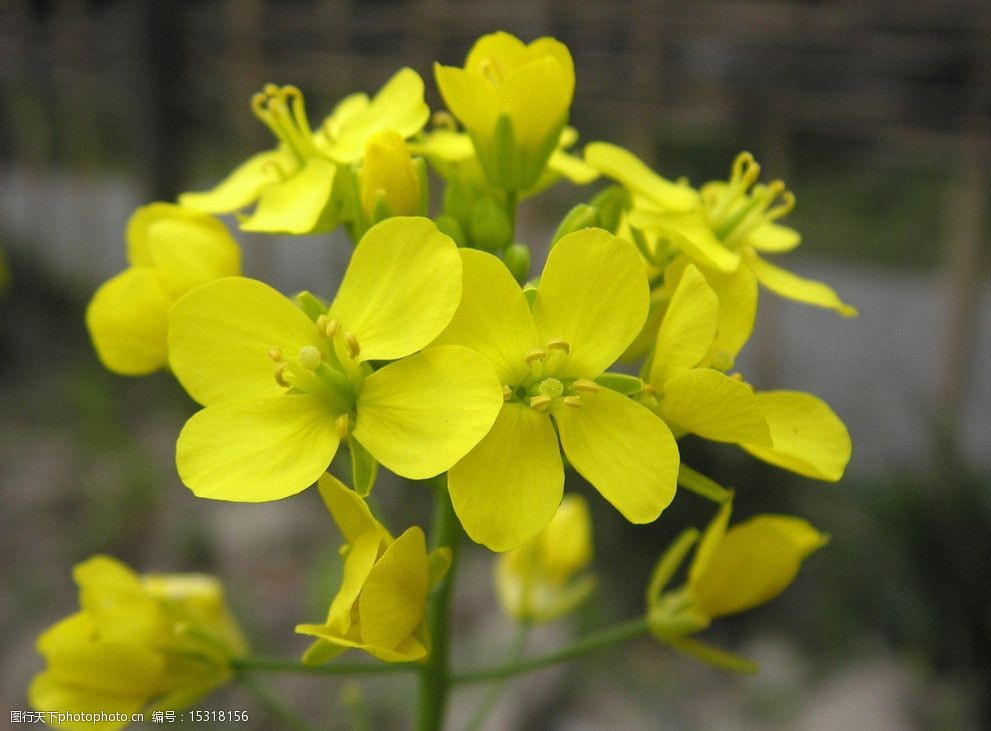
794, 287
349, 510
296, 205
625, 167
242, 186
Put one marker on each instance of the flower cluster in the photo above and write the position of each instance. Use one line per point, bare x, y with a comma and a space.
442, 354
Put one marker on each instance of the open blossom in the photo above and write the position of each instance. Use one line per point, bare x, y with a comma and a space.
281, 391
591, 302
293, 185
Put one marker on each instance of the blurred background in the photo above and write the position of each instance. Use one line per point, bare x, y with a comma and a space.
875, 114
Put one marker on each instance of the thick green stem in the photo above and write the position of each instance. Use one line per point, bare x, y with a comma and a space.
435, 681
598, 641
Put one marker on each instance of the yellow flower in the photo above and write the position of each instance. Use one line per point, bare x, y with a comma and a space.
383, 596
688, 389
513, 99
389, 178
161, 640
540, 580
732, 571
170, 250
729, 224
591, 302
282, 391
294, 184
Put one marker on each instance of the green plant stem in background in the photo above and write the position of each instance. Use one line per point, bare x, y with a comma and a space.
435, 682
592, 643
246, 665
273, 706
492, 696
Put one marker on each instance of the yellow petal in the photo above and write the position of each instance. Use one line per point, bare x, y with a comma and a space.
536, 96
257, 450
106, 668
500, 48
220, 335
626, 168
358, 565
772, 236
398, 106
593, 295
297, 205
808, 437
624, 450
493, 318
714, 406
566, 543
394, 598
508, 488
242, 186
709, 543
127, 322
793, 287
691, 233
687, 330
187, 253
737, 293
471, 98
401, 288
349, 510
755, 561
420, 415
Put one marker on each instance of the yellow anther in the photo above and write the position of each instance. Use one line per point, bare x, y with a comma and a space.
280, 375
737, 377
275, 354
533, 356
343, 425
540, 403
573, 401
490, 70
321, 323
507, 393
333, 327
648, 390
562, 345
310, 357
443, 120
352, 342
585, 385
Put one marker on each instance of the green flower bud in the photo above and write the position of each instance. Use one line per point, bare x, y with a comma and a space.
490, 227
517, 260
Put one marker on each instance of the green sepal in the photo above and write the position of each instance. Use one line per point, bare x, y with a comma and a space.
669, 562
714, 656
311, 305
610, 204
579, 217
621, 383
530, 292
702, 485
517, 260
490, 228
458, 200
364, 467
438, 563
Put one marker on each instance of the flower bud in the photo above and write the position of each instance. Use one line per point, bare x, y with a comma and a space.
390, 184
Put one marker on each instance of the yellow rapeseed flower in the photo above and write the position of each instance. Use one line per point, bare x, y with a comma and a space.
591, 302
382, 600
282, 391
170, 250
513, 99
160, 640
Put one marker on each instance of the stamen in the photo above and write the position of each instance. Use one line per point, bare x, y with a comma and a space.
563, 345
737, 377
585, 385
275, 354
321, 323
490, 70
534, 356
507, 393
648, 390
310, 357
443, 120
540, 403
352, 342
343, 425
573, 401
333, 327
280, 375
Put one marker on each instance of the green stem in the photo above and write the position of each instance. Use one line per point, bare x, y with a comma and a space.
273, 706
489, 700
598, 641
702, 485
266, 665
435, 685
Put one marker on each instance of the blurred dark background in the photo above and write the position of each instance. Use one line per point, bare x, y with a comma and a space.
877, 116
